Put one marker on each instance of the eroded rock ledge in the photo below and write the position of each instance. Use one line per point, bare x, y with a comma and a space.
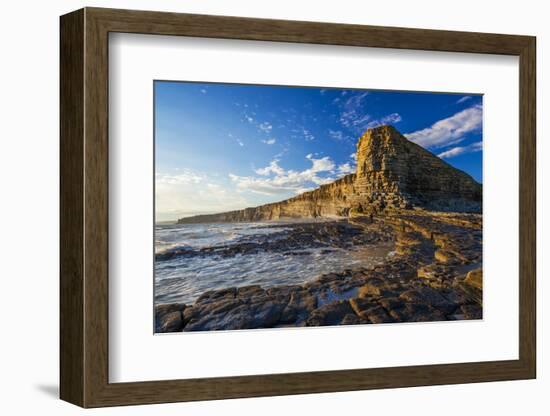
434, 275
392, 172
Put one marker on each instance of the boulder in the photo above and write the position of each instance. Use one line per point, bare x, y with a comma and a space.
378, 315
472, 311
168, 317
170, 322
330, 314
361, 305
474, 278
372, 287
351, 319
300, 305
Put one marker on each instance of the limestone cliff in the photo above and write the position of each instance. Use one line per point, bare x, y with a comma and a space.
392, 172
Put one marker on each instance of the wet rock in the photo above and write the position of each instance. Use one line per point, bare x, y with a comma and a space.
168, 317
223, 306
456, 296
472, 311
300, 305
351, 319
473, 294
445, 257
243, 316
330, 314
282, 291
372, 287
391, 303
216, 295
423, 282
266, 314
170, 322
361, 305
161, 310
412, 296
415, 312
474, 278
378, 315
427, 272
428, 296
252, 291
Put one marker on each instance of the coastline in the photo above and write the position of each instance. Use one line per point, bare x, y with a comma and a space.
434, 275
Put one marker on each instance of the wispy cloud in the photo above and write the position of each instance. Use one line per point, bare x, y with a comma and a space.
460, 150
336, 134
172, 191
392, 118
353, 114
183, 176
275, 180
464, 99
449, 130
203, 90
320, 165
240, 142
302, 132
273, 167
346, 168
269, 141
265, 127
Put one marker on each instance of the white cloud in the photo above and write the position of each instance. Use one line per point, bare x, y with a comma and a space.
389, 119
449, 130
320, 165
302, 190
275, 180
240, 142
336, 134
355, 117
459, 150
353, 113
260, 186
265, 127
187, 176
345, 168
307, 135
203, 90
269, 141
273, 167
187, 192
463, 99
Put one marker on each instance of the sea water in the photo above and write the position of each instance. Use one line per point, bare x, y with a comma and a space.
184, 278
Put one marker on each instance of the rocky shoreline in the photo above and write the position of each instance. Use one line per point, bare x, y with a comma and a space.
434, 275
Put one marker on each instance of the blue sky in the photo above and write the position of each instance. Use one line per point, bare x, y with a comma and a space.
221, 147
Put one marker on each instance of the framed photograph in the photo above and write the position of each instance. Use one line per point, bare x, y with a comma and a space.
255, 207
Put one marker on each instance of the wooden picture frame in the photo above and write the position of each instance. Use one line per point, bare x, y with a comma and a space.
84, 207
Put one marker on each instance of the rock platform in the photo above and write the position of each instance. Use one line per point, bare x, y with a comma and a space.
433, 274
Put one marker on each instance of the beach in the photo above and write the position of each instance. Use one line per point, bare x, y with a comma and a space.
404, 266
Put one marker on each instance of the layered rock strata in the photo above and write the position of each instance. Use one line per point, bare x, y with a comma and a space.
435, 275
392, 172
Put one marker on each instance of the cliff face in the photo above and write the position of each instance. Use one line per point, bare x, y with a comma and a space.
392, 172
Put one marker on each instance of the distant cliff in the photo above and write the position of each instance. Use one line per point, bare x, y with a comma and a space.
392, 172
